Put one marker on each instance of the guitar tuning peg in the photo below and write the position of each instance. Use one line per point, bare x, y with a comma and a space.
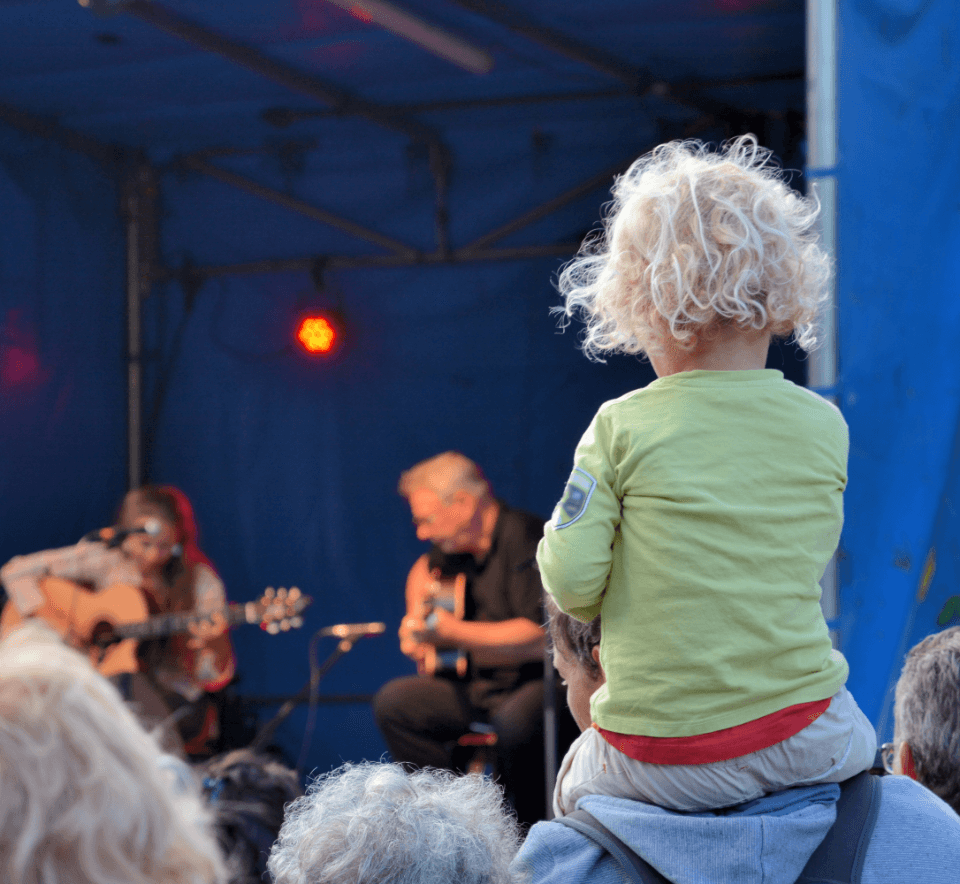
285, 625
294, 593
273, 628
269, 592
281, 593
296, 622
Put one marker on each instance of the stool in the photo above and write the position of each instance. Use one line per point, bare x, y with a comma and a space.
482, 738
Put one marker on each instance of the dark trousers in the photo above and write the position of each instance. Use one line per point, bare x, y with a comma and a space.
421, 719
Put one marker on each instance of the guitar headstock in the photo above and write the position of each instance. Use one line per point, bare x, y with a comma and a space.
278, 610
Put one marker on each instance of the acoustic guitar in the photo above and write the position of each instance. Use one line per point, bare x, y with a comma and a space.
109, 625
449, 593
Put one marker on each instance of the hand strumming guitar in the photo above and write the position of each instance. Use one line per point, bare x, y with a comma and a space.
205, 631
441, 630
410, 643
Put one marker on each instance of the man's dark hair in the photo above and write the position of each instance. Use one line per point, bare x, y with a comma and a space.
573, 636
247, 793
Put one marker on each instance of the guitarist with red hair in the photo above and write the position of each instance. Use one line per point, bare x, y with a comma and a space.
153, 554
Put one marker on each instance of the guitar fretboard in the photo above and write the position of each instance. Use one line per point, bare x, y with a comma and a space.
162, 625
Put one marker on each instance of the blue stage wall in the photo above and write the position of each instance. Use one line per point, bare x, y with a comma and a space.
899, 275
62, 368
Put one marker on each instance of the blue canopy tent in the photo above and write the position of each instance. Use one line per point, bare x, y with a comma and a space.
180, 182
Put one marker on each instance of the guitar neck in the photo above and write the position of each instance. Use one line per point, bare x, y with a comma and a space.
162, 625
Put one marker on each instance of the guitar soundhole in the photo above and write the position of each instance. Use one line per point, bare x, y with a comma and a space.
103, 635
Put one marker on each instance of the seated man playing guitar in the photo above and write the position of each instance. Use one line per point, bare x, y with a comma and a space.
489, 549
150, 562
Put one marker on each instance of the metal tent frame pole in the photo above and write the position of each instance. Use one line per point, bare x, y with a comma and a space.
822, 171
138, 206
551, 733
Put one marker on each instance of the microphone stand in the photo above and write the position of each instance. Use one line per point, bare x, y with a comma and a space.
550, 730
308, 692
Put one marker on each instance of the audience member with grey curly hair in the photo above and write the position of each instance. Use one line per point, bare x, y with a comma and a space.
926, 743
380, 824
85, 796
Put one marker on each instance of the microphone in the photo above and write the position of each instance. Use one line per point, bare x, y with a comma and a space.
352, 631
150, 526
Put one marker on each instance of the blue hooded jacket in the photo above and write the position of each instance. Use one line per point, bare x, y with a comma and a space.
767, 841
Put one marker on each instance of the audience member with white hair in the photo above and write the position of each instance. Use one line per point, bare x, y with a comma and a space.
380, 824
84, 795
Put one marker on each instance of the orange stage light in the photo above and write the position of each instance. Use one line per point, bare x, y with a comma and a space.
318, 334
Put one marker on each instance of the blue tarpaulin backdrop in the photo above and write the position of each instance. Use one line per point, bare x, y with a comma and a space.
899, 284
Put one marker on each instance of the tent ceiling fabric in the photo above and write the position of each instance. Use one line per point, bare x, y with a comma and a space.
306, 104
311, 140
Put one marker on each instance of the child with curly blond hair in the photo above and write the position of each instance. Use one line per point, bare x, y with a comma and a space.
703, 509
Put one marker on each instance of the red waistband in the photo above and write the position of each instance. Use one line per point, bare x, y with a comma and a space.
730, 742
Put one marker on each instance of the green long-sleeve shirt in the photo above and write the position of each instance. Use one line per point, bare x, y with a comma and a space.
699, 518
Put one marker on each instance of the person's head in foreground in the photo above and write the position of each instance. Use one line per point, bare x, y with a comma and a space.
379, 824
247, 793
84, 798
699, 244
576, 656
926, 734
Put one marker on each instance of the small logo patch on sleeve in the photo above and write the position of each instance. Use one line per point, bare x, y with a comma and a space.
575, 498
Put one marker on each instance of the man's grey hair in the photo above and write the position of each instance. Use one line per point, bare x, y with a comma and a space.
927, 712
445, 474
377, 823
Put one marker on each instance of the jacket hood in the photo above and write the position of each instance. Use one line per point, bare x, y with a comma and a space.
766, 841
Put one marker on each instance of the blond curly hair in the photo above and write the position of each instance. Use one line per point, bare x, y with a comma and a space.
694, 240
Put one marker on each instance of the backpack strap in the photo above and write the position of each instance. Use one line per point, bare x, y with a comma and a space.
634, 867
839, 858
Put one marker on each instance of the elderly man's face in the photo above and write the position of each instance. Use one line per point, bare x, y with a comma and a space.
446, 523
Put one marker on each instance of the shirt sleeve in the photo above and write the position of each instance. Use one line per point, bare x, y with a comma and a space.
576, 552
526, 588
208, 591
85, 562
214, 663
